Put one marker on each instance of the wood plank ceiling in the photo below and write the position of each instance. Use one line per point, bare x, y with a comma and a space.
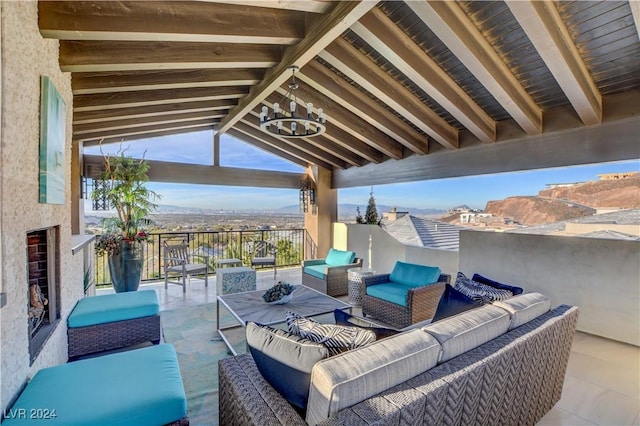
395, 78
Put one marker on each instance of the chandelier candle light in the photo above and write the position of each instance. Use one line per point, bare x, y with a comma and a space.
285, 123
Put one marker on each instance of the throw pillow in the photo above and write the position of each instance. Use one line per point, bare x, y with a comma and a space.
453, 302
484, 280
336, 338
346, 319
285, 360
481, 293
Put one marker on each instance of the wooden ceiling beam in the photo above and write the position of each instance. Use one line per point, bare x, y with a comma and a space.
147, 135
324, 81
248, 128
100, 115
144, 129
340, 117
171, 21
635, 11
304, 146
355, 65
128, 81
97, 56
154, 97
79, 129
314, 6
322, 32
449, 22
389, 40
548, 34
330, 149
336, 135
266, 147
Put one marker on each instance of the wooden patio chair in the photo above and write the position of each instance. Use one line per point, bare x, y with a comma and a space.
263, 253
177, 260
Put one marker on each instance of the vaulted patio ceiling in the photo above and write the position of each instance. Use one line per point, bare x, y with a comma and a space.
429, 87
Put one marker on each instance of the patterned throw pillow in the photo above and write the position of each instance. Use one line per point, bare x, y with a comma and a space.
480, 293
336, 338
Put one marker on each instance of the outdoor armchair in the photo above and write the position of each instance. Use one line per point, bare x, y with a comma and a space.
409, 294
329, 275
178, 261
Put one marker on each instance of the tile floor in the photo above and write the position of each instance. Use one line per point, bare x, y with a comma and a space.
602, 385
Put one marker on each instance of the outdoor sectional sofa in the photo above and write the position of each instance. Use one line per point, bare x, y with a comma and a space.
497, 364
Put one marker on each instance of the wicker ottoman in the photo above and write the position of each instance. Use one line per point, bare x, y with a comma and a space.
102, 323
235, 280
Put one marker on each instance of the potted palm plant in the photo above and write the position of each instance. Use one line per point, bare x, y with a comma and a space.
122, 187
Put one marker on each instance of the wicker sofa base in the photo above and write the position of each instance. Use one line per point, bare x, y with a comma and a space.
508, 380
113, 335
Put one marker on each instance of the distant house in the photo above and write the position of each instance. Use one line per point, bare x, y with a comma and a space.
616, 176
474, 217
394, 214
422, 232
563, 185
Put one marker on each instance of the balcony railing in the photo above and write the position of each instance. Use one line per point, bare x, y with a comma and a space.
294, 245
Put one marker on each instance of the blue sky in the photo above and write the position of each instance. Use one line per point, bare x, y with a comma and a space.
443, 194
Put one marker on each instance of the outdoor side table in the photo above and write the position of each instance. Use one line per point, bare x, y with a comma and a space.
355, 284
235, 280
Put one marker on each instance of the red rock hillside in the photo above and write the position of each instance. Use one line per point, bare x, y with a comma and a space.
535, 210
623, 193
553, 205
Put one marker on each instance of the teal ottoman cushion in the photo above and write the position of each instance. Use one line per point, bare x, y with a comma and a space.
414, 275
391, 292
139, 387
318, 271
114, 307
339, 257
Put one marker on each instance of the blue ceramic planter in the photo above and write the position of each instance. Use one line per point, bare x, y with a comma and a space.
125, 267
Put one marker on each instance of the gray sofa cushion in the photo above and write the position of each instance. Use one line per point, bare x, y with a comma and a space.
524, 308
346, 379
470, 329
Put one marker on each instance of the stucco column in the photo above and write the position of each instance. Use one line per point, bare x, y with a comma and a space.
320, 217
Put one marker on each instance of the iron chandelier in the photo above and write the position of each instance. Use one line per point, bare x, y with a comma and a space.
291, 122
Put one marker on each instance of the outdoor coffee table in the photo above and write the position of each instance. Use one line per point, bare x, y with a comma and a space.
250, 306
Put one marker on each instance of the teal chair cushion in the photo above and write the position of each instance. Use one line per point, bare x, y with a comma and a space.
413, 275
138, 387
114, 307
391, 292
318, 271
339, 257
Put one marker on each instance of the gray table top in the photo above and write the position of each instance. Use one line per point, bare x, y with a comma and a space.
250, 306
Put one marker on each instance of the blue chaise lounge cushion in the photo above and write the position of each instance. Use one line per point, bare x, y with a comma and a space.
114, 307
413, 275
339, 257
138, 387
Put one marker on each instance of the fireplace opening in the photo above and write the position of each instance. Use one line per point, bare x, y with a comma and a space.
43, 287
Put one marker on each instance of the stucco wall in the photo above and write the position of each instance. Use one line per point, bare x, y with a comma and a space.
25, 57
386, 250
600, 276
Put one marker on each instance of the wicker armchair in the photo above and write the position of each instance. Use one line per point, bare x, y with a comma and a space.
421, 302
335, 282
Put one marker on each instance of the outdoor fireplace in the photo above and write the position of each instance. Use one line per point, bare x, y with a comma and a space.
43, 287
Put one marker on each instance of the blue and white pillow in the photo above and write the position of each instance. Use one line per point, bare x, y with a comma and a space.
480, 293
336, 338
